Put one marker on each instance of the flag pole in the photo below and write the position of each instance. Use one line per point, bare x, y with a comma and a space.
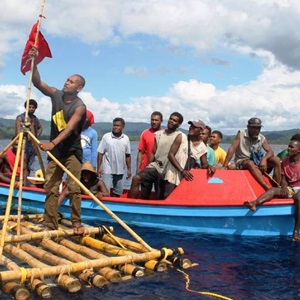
33, 60
20, 142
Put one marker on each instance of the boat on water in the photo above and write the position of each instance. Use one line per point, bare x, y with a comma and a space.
208, 204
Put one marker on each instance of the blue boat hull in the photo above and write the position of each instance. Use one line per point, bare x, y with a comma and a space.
272, 220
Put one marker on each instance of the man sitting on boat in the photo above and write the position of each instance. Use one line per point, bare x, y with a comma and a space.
290, 185
7, 162
90, 180
248, 147
158, 159
183, 156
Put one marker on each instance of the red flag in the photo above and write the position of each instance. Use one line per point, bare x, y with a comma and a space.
42, 45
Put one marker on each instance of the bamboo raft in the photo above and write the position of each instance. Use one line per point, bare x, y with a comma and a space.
36, 256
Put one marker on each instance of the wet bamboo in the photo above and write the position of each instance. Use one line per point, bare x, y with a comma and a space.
97, 279
16, 290
87, 191
176, 260
10, 196
88, 275
130, 269
111, 249
41, 288
37, 285
109, 273
85, 275
23, 217
127, 243
76, 267
49, 234
71, 284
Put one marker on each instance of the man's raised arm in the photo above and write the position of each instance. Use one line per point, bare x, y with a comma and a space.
36, 78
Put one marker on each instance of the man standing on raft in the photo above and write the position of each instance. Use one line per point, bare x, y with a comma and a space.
67, 119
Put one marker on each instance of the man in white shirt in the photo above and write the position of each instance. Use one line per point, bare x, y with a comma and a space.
114, 157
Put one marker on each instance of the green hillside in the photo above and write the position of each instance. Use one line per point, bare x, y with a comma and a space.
134, 129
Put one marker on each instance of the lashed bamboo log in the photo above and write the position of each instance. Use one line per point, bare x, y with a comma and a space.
130, 269
98, 280
107, 272
16, 290
72, 285
41, 288
134, 246
23, 217
91, 242
87, 275
76, 267
176, 260
33, 236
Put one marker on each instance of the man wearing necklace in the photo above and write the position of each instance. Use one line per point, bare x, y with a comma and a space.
290, 185
183, 155
67, 119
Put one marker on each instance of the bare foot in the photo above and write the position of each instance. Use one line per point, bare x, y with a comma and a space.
251, 205
78, 229
296, 237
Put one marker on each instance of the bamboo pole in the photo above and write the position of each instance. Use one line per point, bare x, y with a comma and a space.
127, 243
111, 249
70, 284
176, 260
88, 275
87, 191
107, 272
129, 269
21, 136
16, 290
75, 267
8, 146
97, 279
21, 184
33, 236
10, 196
33, 60
41, 288
23, 217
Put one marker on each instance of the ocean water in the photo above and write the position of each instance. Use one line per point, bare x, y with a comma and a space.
229, 266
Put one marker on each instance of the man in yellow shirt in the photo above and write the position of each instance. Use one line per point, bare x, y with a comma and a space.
220, 154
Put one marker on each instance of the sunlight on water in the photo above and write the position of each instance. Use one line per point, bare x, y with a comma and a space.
235, 267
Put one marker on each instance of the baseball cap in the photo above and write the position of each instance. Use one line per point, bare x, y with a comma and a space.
197, 123
254, 122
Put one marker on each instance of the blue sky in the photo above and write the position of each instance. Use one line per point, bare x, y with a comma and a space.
220, 61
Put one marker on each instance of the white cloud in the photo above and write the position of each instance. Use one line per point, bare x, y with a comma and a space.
270, 25
273, 97
267, 29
